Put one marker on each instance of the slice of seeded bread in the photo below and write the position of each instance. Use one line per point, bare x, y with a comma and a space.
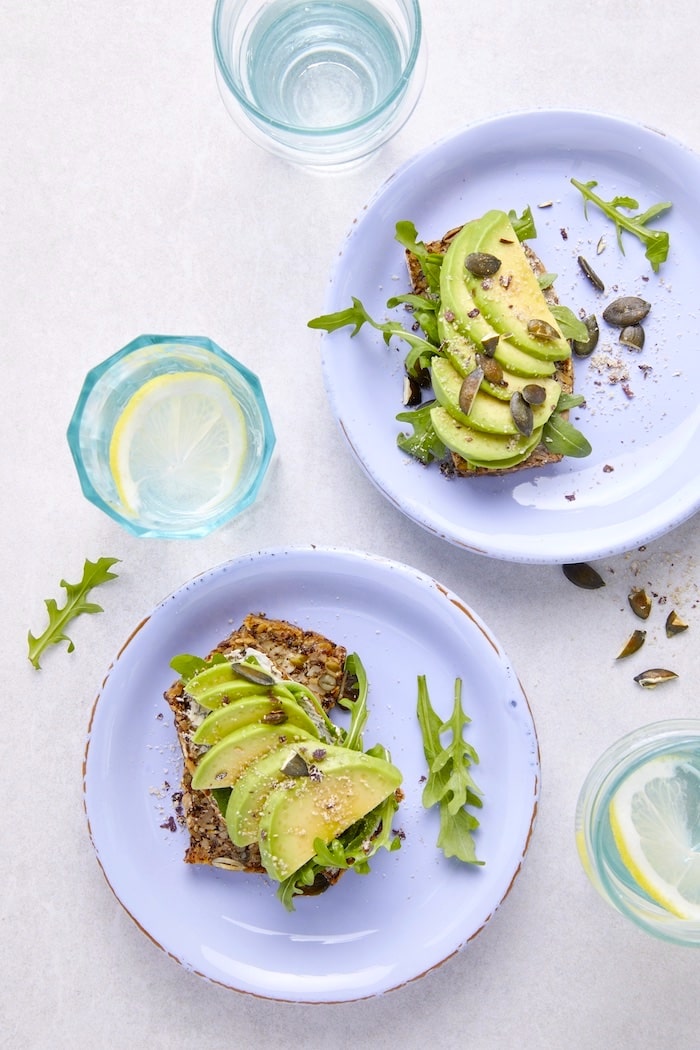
304, 656
540, 457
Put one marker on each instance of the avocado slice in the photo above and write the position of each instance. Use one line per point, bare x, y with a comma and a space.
223, 763
346, 786
487, 413
478, 447
462, 355
512, 298
517, 362
263, 708
218, 683
254, 785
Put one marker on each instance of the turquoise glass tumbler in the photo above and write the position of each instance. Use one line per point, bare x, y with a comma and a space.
171, 436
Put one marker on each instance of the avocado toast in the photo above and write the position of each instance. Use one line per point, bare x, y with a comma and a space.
488, 336
266, 773
504, 368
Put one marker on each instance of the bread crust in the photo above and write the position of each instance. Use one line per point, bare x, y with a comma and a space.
564, 374
304, 656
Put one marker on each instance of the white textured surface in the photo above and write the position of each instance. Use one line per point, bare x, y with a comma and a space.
131, 204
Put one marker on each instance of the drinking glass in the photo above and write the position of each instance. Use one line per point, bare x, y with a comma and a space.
319, 82
185, 502
672, 744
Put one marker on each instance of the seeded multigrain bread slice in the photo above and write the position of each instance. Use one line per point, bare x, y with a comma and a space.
564, 373
303, 656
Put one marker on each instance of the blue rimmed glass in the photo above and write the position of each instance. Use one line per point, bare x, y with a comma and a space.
676, 738
107, 389
319, 82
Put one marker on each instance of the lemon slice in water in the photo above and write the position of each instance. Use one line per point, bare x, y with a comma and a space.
655, 821
178, 447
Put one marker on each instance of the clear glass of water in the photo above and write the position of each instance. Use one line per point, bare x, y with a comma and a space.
320, 82
638, 828
171, 436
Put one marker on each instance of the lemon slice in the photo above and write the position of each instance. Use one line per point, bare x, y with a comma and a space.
655, 821
178, 447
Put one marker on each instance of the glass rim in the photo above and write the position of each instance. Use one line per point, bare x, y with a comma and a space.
611, 765
325, 132
250, 383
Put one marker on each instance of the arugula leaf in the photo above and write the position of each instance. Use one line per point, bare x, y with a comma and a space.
450, 784
561, 437
423, 443
570, 325
187, 665
357, 707
546, 280
430, 262
524, 225
356, 315
94, 574
423, 313
656, 241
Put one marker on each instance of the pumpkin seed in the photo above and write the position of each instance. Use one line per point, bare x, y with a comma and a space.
481, 264
632, 335
276, 717
469, 389
674, 624
411, 392
633, 644
296, 766
591, 274
490, 345
542, 330
583, 575
493, 372
654, 676
581, 347
640, 602
522, 414
251, 673
630, 309
534, 394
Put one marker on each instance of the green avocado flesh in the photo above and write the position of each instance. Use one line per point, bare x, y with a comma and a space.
223, 763
481, 449
218, 684
254, 785
297, 811
489, 414
288, 787
490, 315
261, 708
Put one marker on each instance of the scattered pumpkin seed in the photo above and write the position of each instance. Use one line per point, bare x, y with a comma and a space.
275, 717
411, 391
251, 673
583, 575
581, 347
522, 414
534, 394
490, 345
542, 330
633, 644
493, 372
654, 676
591, 274
481, 264
295, 766
640, 603
632, 335
674, 624
469, 389
630, 309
